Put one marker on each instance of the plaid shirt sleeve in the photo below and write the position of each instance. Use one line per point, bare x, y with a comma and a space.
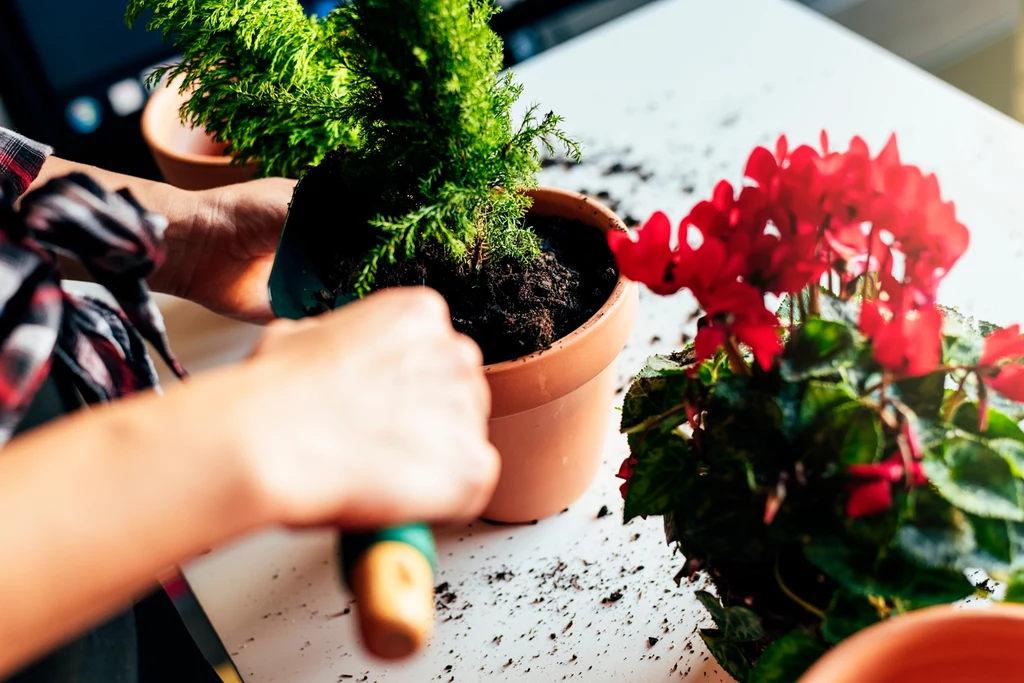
20, 159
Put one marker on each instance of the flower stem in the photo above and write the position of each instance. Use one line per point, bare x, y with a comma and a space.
956, 399
815, 300
736, 362
793, 596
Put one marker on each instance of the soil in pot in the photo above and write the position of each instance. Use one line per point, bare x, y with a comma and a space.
510, 309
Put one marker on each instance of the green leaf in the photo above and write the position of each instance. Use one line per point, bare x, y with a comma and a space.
1012, 451
737, 624
930, 587
664, 464
840, 423
660, 365
962, 338
935, 533
830, 308
1015, 588
657, 390
1000, 547
932, 434
999, 426
818, 348
861, 432
977, 479
1012, 409
864, 571
956, 324
924, 394
787, 659
727, 653
847, 614
821, 397
965, 351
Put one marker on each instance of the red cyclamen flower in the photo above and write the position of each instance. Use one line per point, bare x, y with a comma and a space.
1005, 345
871, 485
910, 344
650, 259
737, 310
626, 473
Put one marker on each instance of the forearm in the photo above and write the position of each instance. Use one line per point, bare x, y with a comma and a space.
183, 210
94, 507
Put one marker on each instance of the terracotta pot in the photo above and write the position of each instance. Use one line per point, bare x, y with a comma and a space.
551, 410
187, 157
936, 645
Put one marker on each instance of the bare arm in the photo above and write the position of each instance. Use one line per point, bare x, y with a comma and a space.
180, 207
372, 416
96, 506
220, 242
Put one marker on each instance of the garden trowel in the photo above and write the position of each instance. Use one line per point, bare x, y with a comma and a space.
391, 572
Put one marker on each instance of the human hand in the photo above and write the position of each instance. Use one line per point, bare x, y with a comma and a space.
221, 249
220, 242
371, 416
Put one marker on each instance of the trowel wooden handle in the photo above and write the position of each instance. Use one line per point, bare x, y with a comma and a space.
391, 574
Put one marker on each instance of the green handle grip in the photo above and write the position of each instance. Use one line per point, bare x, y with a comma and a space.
353, 546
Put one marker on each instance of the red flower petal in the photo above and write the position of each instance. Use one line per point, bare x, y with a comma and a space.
723, 197
890, 469
890, 154
762, 166
763, 340
871, 320
781, 149
869, 498
709, 339
1004, 344
923, 333
910, 344
916, 475
1009, 382
649, 259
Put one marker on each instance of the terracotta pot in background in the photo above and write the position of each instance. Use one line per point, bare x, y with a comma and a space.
551, 410
936, 645
187, 157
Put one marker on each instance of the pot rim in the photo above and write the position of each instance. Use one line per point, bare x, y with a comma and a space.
617, 299
162, 97
877, 643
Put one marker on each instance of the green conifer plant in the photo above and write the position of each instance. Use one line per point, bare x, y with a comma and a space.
439, 139
256, 69
411, 93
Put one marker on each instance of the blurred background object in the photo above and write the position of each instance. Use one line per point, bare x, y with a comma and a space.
972, 44
72, 74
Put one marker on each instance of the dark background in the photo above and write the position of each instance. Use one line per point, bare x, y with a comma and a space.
60, 58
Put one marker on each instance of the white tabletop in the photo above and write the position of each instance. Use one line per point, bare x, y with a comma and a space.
685, 89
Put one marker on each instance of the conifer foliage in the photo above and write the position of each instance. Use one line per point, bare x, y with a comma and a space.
413, 93
261, 72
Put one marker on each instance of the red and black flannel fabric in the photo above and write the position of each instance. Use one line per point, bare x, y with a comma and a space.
118, 241
20, 159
